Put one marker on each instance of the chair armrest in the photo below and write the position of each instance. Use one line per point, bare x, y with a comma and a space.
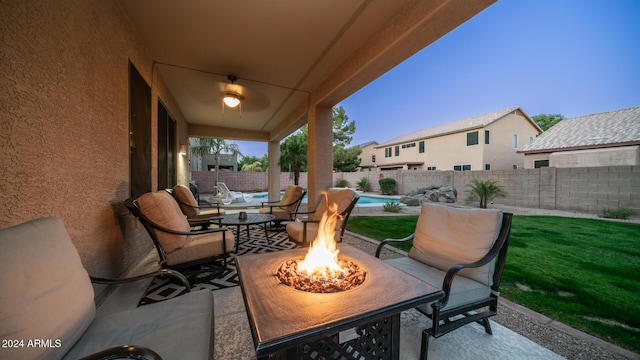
386, 241
171, 273
277, 202
124, 352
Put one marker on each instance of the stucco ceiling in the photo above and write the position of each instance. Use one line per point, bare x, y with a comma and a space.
287, 54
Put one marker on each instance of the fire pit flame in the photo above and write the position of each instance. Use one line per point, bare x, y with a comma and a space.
321, 271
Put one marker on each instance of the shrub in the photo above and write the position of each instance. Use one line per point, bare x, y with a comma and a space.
619, 213
393, 207
484, 191
364, 185
387, 186
342, 183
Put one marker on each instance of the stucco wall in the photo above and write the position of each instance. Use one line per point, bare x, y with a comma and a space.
64, 98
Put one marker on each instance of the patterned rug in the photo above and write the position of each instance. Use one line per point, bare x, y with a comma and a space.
162, 288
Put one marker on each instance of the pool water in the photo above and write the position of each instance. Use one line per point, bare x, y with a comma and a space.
364, 199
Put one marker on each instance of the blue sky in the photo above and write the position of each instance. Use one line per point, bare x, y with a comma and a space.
569, 57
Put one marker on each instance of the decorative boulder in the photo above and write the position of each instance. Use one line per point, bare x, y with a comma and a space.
445, 194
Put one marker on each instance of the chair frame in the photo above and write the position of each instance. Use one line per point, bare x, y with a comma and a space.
152, 227
204, 222
468, 310
277, 204
344, 216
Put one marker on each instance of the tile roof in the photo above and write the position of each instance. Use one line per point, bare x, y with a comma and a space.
597, 130
452, 127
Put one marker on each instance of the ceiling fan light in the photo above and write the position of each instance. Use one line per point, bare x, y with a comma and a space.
231, 100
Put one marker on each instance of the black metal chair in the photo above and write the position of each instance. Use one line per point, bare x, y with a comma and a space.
337, 201
464, 251
285, 208
177, 245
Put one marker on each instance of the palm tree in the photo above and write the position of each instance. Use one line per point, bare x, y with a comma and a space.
215, 147
293, 155
484, 191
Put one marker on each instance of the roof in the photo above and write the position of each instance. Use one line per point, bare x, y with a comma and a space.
613, 128
457, 126
368, 143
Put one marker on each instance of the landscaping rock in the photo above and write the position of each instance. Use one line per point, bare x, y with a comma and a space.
444, 194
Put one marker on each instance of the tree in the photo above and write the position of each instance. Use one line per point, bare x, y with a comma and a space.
484, 191
346, 159
253, 163
342, 127
293, 155
545, 121
215, 147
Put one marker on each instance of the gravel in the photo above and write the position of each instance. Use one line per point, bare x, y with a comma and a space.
555, 336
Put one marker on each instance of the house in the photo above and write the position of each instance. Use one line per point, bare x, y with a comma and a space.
100, 97
604, 139
485, 142
368, 155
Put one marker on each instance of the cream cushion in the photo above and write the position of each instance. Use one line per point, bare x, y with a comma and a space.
45, 292
184, 196
447, 235
201, 246
341, 197
163, 210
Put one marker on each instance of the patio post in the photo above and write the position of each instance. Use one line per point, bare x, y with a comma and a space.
273, 176
319, 152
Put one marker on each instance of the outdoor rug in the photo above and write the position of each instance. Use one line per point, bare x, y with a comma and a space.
163, 288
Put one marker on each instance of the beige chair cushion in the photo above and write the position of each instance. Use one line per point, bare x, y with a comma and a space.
163, 210
447, 235
200, 247
295, 230
291, 193
463, 290
275, 211
341, 197
45, 292
185, 196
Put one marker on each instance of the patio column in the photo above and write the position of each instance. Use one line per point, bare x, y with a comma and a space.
320, 152
273, 180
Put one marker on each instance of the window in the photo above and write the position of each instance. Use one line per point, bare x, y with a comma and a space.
421, 147
457, 167
387, 152
397, 150
486, 137
487, 166
405, 146
431, 168
515, 167
472, 138
540, 163
373, 158
515, 141
466, 167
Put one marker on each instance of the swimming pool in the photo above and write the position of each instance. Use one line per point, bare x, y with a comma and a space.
365, 199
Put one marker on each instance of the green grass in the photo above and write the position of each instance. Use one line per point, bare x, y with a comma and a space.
582, 272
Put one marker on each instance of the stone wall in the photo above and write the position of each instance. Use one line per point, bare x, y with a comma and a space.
573, 189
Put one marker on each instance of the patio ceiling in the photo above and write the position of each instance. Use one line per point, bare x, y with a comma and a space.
288, 55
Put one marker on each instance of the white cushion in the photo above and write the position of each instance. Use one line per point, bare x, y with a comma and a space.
447, 235
180, 328
45, 292
463, 290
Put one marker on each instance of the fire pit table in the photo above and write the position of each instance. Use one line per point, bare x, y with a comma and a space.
363, 322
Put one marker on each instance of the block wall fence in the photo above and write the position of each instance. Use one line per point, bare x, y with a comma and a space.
573, 189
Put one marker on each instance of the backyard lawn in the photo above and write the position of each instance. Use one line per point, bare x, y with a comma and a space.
582, 272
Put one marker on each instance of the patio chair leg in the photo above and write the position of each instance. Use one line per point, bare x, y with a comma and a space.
487, 325
424, 347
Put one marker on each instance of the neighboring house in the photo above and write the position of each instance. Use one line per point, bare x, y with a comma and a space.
368, 156
228, 162
484, 142
605, 139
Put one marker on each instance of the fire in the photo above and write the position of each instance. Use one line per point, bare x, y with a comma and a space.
322, 258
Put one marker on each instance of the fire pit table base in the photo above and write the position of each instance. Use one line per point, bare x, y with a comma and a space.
373, 340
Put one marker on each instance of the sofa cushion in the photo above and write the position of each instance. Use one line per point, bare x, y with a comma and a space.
45, 292
186, 200
200, 247
180, 328
448, 235
463, 290
162, 209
